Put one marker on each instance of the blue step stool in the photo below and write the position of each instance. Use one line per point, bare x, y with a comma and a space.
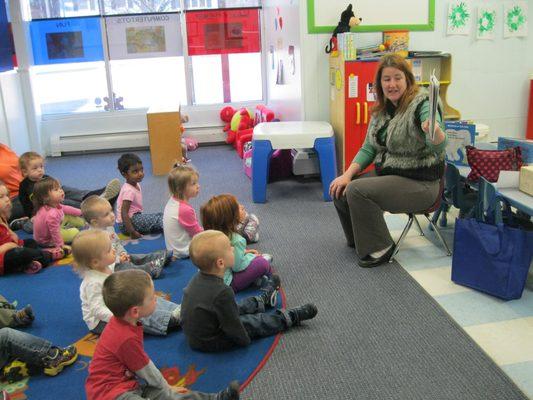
272, 136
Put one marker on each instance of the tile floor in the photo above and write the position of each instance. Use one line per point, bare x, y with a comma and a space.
503, 329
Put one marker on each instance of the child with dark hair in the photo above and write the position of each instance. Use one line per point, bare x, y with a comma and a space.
211, 318
119, 361
55, 223
32, 166
17, 255
130, 216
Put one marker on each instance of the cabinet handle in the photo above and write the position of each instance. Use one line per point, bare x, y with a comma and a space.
366, 113
358, 117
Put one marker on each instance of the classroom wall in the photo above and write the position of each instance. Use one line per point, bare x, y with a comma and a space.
490, 79
13, 127
281, 24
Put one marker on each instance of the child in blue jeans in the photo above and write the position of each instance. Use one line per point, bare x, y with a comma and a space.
34, 351
94, 260
130, 216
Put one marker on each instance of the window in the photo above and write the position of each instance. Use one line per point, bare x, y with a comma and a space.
143, 61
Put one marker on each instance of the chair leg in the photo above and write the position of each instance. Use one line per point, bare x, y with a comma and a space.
402, 236
418, 225
325, 148
261, 152
439, 235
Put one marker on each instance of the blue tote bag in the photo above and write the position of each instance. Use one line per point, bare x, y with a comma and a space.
491, 258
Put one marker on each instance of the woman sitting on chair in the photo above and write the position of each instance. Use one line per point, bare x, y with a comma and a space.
408, 163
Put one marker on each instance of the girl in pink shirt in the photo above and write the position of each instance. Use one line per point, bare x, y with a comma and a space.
130, 217
54, 224
179, 219
17, 254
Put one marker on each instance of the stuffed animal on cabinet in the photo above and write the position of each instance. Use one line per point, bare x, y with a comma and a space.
348, 20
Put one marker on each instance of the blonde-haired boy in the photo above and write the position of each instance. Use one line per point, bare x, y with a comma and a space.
98, 212
130, 296
210, 317
94, 258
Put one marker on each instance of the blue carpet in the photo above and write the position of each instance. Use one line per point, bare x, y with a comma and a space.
54, 295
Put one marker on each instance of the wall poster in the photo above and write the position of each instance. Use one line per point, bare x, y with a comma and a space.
223, 31
144, 36
66, 40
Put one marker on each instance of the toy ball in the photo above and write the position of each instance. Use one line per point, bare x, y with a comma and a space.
241, 118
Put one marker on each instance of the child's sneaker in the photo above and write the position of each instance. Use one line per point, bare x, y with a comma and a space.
168, 256
265, 280
59, 359
18, 223
269, 293
156, 267
14, 371
230, 393
302, 313
112, 189
269, 297
24, 317
33, 268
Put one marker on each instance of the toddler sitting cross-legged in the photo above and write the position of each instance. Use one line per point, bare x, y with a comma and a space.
94, 259
120, 361
211, 318
98, 213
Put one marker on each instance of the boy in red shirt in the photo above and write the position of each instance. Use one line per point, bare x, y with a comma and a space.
119, 359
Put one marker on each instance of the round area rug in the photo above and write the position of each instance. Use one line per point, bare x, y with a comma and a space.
54, 296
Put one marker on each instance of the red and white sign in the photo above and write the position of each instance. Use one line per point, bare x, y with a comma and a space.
223, 31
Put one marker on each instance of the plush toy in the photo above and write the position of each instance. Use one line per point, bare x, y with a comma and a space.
225, 115
236, 121
348, 20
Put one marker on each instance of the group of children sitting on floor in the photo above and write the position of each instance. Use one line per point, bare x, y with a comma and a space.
117, 293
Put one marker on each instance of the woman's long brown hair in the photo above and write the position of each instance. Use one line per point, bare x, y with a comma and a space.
398, 62
221, 213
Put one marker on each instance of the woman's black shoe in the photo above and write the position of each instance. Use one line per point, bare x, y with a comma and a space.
369, 261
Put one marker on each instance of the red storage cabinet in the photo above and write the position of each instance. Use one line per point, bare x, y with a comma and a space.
352, 98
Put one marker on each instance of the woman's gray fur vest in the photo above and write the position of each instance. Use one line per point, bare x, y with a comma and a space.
405, 152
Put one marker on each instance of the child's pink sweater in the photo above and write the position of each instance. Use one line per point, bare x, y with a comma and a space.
47, 224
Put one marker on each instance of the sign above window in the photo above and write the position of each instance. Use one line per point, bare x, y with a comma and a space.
68, 40
144, 36
223, 31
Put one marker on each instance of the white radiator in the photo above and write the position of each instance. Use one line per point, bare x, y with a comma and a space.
115, 141
69, 143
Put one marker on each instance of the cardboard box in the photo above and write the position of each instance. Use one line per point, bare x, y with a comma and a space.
164, 134
525, 144
526, 180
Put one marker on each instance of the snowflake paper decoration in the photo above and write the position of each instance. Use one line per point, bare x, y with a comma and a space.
486, 22
459, 15
515, 19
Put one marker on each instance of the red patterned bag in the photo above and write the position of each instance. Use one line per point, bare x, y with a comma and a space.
489, 163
